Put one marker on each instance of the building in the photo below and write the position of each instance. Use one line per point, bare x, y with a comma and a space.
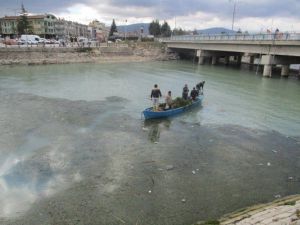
67, 29
47, 26
42, 25
98, 31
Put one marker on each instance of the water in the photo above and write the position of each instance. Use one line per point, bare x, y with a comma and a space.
74, 148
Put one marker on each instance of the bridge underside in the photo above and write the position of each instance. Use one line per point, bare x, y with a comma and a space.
266, 54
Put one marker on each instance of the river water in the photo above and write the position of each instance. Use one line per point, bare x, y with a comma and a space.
74, 149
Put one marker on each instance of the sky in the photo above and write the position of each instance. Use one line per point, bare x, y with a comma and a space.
251, 15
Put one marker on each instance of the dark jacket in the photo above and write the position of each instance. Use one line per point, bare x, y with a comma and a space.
155, 93
194, 94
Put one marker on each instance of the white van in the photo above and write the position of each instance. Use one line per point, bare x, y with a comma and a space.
29, 39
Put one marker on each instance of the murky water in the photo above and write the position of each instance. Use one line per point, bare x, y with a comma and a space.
74, 149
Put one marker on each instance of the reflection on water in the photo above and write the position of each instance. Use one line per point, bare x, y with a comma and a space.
154, 128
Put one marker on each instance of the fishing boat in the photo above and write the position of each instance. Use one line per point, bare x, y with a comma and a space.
150, 114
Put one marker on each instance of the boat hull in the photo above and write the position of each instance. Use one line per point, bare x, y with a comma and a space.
149, 114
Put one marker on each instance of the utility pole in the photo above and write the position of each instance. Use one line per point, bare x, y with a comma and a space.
233, 13
125, 29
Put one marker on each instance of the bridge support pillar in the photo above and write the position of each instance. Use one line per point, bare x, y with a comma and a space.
251, 61
201, 56
226, 60
267, 70
214, 60
201, 60
285, 69
267, 61
239, 60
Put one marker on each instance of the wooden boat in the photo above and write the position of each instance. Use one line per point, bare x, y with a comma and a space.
150, 114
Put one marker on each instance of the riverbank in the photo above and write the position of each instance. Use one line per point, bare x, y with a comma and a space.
281, 211
111, 53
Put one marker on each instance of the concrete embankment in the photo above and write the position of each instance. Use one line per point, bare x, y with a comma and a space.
60, 55
281, 211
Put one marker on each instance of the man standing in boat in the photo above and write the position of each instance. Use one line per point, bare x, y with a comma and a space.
200, 86
155, 95
185, 92
168, 100
194, 94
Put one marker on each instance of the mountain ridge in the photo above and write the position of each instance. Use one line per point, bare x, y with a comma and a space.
136, 28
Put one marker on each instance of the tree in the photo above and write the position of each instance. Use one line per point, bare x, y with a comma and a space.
195, 32
179, 32
154, 28
113, 28
165, 30
23, 26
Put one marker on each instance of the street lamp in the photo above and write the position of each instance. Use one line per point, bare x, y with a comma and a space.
233, 13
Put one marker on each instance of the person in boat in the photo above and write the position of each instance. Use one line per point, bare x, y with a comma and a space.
168, 100
155, 95
200, 86
194, 94
185, 92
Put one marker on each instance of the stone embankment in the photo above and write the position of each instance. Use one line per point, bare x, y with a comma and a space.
62, 55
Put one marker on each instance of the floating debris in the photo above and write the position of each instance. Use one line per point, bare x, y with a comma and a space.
145, 129
274, 151
290, 178
149, 191
277, 196
268, 164
183, 200
169, 167
156, 142
211, 140
193, 172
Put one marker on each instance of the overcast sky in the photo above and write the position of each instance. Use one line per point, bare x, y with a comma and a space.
251, 15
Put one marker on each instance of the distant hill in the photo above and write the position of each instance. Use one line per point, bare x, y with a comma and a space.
216, 30
134, 28
137, 28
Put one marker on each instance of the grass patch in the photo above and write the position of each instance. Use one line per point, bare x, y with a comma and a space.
290, 203
211, 222
84, 49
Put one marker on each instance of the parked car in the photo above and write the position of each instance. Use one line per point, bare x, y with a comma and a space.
30, 39
53, 41
32, 42
10, 42
44, 41
21, 42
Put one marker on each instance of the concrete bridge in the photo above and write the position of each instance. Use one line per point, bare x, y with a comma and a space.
269, 49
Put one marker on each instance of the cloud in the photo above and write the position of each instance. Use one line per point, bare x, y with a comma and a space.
189, 13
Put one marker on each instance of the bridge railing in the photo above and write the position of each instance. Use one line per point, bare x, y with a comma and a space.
236, 37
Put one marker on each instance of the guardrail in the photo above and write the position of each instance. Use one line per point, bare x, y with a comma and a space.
68, 45
236, 37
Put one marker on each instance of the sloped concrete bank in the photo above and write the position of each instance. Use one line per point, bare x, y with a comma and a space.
58, 55
281, 211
